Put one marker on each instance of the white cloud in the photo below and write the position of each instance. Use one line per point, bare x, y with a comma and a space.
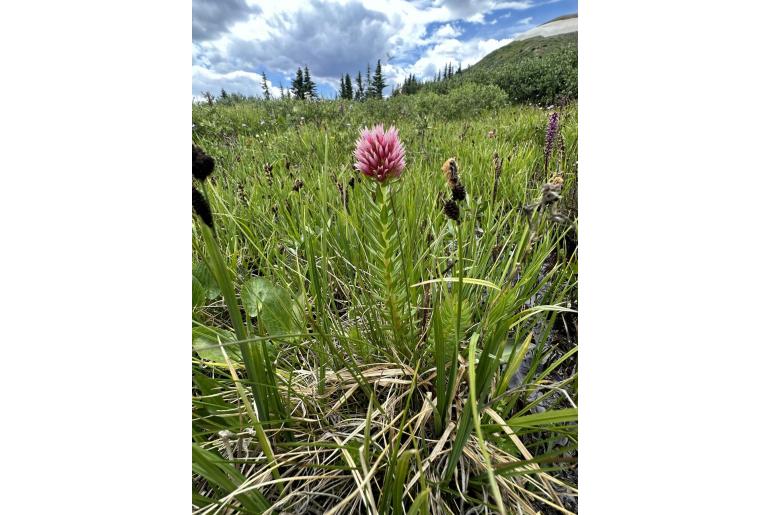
476, 18
245, 83
525, 21
465, 8
450, 50
447, 31
333, 37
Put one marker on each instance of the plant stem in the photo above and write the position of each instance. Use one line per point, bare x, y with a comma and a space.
456, 344
407, 287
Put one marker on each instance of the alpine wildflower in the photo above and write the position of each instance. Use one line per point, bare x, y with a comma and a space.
380, 154
550, 135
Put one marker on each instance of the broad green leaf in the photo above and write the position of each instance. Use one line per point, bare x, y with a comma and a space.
205, 341
274, 305
202, 273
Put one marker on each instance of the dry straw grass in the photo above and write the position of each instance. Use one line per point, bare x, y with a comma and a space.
327, 427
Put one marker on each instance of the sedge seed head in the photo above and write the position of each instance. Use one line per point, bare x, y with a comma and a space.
202, 164
458, 192
451, 172
452, 210
201, 208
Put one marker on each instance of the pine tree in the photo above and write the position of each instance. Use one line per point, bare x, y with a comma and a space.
445, 69
343, 92
283, 95
369, 86
410, 85
360, 94
298, 85
223, 94
309, 85
450, 70
378, 84
460, 68
265, 87
348, 87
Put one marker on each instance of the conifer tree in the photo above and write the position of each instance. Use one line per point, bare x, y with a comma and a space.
359, 87
410, 85
348, 87
378, 84
343, 92
298, 85
309, 85
265, 88
369, 87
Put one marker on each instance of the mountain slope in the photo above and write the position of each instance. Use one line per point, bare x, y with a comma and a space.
532, 44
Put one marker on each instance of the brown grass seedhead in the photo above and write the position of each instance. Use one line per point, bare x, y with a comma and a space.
202, 164
452, 210
201, 208
458, 192
451, 172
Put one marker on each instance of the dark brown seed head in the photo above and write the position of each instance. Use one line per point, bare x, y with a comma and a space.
458, 192
201, 208
202, 164
298, 184
452, 210
498, 165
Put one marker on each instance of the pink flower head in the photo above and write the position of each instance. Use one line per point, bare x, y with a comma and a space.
380, 154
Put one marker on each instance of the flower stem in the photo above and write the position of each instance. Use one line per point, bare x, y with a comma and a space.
403, 266
458, 337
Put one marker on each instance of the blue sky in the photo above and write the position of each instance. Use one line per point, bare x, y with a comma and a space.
234, 41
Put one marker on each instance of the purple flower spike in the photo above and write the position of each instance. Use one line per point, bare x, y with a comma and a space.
553, 126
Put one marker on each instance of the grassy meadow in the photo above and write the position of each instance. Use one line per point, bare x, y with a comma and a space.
355, 350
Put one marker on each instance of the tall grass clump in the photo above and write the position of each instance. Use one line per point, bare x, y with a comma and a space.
384, 320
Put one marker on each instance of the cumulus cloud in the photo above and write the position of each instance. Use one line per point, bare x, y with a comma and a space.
330, 38
455, 51
436, 57
477, 18
468, 8
245, 83
211, 18
447, 31
233, 41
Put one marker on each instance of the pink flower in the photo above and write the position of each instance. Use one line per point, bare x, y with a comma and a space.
380, 154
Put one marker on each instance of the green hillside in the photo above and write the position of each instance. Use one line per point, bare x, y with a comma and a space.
533, 47
538, 70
